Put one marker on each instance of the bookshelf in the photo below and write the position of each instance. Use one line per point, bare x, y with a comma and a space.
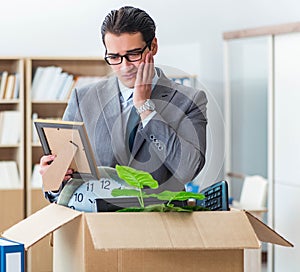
12, 144
40, 257
50, 108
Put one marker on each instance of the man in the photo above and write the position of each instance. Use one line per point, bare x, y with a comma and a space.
170, 140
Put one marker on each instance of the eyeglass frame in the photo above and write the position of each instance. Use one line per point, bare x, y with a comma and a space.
148, 44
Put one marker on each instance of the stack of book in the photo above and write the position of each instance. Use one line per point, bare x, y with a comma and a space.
10, 127
9, 85
10, 178
52, 83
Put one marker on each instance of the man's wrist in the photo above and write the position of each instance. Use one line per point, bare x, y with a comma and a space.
148, 105
146, 117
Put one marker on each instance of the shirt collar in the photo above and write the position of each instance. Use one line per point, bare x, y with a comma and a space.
127, 92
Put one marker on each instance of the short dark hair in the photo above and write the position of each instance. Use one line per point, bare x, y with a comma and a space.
129, 20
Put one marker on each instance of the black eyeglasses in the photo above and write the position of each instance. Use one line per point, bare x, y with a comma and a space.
115, 59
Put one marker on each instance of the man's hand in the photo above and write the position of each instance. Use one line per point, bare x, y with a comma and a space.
143, 83
45, 162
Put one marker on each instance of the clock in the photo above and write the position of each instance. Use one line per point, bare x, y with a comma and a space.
81, 195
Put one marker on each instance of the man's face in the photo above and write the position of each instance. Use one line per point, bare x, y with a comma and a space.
126, 43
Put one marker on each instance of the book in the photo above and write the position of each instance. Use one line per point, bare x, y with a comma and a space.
51, 83
10, 85
85, 80
10, 178
47, 83
4, 76
66, 88
16, 91
11, 255
10, 127
36, 81
60, 85
14, 177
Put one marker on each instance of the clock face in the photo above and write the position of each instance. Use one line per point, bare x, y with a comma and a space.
81, 195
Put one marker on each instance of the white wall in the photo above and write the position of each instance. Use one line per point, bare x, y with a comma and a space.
71, 27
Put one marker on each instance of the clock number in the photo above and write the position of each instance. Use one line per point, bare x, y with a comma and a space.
90, 187
105, 184
78, 197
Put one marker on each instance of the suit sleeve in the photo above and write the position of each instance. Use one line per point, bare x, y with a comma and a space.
72, 112
180, 144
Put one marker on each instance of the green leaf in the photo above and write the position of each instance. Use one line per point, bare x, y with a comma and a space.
165, 195
125, 192
136, 178
163, 208
187, 195
155, 208
181, 196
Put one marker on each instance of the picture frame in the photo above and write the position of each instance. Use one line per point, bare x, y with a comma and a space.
56, 135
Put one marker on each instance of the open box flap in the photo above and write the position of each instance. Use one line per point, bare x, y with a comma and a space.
40, 224
197, 230
265, 233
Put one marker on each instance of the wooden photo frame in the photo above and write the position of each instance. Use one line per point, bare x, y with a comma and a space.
69, 142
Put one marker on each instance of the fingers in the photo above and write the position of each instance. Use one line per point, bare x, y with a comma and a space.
143, 81
148, 69
68, 175
145, 71
46, 160
139, 75
149, 57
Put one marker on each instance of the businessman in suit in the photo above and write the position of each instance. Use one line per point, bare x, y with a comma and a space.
168, 136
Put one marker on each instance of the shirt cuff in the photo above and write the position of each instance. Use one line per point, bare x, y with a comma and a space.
148, 118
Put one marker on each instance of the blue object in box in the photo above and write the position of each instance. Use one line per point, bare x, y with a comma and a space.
191, 187
11, 256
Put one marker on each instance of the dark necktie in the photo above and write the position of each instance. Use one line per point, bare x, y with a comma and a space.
132, 125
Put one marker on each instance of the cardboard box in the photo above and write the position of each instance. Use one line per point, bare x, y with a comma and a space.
11, 256
39, 258
198, 241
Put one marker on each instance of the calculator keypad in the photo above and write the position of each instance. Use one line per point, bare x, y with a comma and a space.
216, 197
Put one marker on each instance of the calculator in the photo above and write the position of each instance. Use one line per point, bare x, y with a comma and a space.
216, 197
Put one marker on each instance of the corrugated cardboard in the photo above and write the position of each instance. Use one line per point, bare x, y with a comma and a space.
39, 257
197, 241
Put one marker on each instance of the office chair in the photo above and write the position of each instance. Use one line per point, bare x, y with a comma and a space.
253, 195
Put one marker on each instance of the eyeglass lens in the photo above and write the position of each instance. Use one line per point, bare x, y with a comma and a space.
131, 57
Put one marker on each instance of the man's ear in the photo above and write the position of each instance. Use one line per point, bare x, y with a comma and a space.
154, 46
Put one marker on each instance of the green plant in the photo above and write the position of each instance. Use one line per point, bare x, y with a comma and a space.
139, 179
